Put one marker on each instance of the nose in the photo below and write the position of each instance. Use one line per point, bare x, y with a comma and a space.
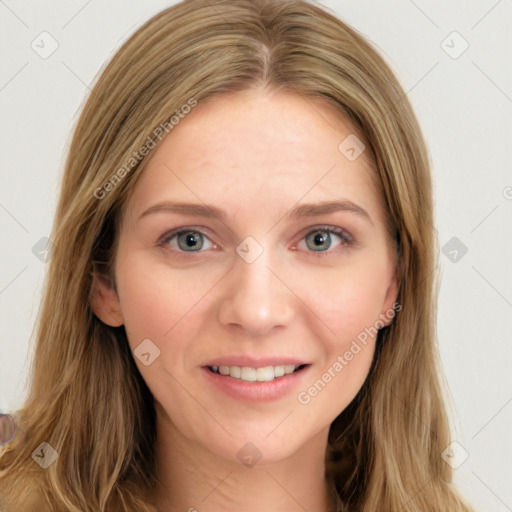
256, 297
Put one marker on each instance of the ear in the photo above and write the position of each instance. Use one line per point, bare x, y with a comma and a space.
389, 306
104, 300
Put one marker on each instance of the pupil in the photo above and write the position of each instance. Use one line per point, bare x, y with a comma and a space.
321, 240
189, 240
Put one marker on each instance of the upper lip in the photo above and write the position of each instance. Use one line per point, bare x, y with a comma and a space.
255, 362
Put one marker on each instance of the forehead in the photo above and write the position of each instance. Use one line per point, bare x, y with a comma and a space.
256, 151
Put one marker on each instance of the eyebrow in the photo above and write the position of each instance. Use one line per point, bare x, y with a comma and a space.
300, 211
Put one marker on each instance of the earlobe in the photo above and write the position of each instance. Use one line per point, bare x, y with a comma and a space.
105, 302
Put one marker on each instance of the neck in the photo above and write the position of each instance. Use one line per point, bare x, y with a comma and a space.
194, 479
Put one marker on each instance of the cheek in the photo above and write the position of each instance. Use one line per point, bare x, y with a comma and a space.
348, 305
155, 300
166, 307
347, 299
346, 302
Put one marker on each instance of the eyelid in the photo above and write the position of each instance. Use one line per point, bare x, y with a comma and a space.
337, 230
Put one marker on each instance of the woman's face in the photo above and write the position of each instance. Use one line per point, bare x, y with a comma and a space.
221, 264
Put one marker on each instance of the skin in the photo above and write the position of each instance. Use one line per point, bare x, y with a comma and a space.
255, 154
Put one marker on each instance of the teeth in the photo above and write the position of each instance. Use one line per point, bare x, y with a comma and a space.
248, 374
278, 371
235, 371
264, 374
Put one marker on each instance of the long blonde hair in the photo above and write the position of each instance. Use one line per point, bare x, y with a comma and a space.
87, 399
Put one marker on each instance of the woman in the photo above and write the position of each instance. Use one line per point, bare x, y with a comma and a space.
241, 301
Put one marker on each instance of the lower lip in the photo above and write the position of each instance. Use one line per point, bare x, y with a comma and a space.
255, 391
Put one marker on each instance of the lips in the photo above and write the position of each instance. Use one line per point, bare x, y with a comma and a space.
260, 383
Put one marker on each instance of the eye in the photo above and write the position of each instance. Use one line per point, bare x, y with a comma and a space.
323, 238
187, 240
319, 240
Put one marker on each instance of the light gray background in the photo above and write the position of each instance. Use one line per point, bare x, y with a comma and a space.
464, 105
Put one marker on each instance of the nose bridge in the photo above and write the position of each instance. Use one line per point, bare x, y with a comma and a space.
256, 299
255, 278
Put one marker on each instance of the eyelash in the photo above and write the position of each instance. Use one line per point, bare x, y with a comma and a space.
346, 239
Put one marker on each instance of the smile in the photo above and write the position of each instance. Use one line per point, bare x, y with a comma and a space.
263, 374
